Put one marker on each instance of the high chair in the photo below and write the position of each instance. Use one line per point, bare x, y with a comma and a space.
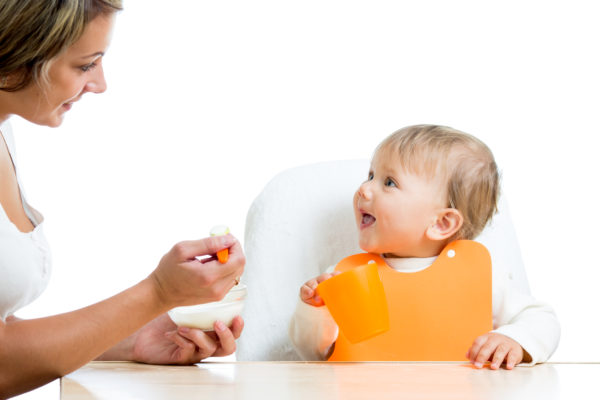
301, 224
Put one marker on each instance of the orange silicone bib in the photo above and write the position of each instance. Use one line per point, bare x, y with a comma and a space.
434, 314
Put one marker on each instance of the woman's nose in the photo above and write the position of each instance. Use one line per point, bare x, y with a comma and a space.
97, 84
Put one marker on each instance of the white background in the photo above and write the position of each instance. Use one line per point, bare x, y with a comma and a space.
207, 101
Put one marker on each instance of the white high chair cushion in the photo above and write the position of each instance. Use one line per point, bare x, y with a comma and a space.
302, 223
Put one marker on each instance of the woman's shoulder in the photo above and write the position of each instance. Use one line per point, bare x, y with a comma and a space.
7, 134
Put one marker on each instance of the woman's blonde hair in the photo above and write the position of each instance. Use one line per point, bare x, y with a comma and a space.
467, 164
34, 32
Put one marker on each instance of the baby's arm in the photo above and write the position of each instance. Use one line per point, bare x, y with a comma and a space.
312, 329
525, 329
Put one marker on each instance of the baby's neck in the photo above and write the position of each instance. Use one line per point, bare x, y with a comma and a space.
409, 264
426, 249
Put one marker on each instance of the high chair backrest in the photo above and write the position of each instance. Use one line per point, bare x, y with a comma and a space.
301, 224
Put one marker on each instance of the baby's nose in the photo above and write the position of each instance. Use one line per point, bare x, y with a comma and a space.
364, 190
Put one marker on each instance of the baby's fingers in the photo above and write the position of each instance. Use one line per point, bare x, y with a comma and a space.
499, 356
306, 292
326, 275
309, 295
485, 353
312, 284
475, 349
514, 357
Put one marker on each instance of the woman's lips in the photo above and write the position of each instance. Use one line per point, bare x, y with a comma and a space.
67, 106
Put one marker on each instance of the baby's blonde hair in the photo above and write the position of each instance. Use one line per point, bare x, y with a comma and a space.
467, 164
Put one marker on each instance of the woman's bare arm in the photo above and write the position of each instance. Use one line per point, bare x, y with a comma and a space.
34, 352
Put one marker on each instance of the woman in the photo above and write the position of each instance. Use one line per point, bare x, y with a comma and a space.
50, 56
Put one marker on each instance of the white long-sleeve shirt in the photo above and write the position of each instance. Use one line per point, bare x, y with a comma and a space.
516, 314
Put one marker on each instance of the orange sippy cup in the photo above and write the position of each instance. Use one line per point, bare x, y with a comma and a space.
356, 300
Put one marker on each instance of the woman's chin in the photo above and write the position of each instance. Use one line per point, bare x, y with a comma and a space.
54, 122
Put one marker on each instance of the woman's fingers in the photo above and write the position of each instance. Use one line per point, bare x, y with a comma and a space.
237, 326
204, 344
182, 279
219, 343
226, 339
191, 249
187, 347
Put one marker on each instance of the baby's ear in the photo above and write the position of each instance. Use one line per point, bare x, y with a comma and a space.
447, 222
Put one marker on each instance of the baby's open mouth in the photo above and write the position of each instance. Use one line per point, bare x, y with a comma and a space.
367, 220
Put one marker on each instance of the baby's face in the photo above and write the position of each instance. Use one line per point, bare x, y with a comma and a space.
394, 208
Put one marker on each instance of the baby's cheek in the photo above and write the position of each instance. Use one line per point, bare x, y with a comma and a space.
355, 202
357, 216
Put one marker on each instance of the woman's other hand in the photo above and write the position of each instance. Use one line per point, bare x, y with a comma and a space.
161, 342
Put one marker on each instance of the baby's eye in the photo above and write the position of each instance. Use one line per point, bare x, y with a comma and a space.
370, 177
389, 182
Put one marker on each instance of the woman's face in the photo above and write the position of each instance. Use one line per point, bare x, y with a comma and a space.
73, 73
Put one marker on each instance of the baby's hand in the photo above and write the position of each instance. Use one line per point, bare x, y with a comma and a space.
496, 348
308, 292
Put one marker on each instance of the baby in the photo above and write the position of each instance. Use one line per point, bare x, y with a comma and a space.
427, 187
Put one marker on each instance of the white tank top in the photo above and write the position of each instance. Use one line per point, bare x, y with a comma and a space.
25, 262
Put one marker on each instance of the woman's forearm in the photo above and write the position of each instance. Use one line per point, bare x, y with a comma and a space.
34, 352
122, 351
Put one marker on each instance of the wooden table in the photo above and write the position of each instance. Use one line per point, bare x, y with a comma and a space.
321, 380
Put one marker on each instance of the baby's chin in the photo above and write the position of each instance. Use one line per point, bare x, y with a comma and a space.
369, 247
376, 249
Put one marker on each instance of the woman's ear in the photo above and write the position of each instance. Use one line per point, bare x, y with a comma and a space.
448, 221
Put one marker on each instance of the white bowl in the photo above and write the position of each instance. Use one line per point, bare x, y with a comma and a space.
204, 316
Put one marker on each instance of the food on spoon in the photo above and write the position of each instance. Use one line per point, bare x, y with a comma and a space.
220, 230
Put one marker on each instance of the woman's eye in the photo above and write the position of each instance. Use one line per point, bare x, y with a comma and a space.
389, 182
88, 67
